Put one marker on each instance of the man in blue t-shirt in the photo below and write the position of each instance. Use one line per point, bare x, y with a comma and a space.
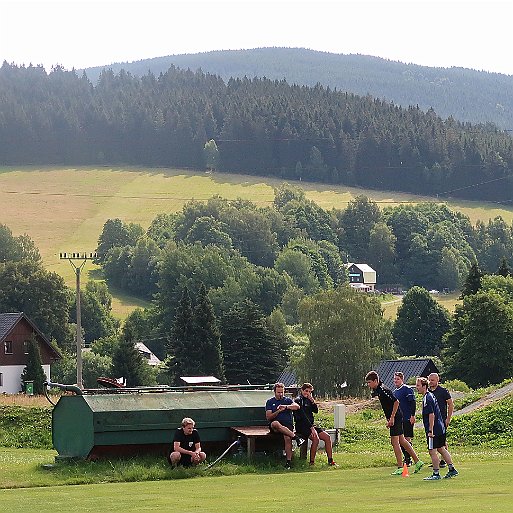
278, 411
406, 397
435, 431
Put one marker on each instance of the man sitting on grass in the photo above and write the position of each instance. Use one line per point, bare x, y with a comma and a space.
435, 431
186, 446
390, 406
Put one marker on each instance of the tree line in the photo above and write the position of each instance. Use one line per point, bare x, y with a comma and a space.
465, 94
239, 292
260, 126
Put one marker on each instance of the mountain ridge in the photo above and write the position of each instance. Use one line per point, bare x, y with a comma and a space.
465, 94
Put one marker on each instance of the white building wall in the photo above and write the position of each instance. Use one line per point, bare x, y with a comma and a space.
11, 378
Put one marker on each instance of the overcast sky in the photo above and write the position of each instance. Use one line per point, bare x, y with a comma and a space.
84, 33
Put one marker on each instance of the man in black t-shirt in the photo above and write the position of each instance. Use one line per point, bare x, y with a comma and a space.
186, 446
390, 406
444, 400
305, 425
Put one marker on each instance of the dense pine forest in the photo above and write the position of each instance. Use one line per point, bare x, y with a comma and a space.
260, 126
465, 94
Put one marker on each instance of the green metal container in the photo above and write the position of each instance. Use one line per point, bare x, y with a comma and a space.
91, 424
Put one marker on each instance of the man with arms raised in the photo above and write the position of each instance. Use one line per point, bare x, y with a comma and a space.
435, 431
278, 411
394, 418
444, 400
186, 445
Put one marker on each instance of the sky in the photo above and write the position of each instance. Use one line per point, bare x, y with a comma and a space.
79, 33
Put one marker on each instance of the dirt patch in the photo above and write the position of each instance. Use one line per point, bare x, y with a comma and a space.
353, 404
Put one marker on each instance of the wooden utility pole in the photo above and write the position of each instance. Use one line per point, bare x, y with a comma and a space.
78, 268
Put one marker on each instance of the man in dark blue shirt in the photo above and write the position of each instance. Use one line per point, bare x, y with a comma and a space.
394, 418
404, 394
435, 431
278, 411
444, 400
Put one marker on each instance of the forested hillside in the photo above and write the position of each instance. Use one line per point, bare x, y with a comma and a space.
258, 126
467, 95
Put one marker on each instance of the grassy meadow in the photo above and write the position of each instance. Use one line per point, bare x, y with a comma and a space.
31, 477
65, 208
484, 484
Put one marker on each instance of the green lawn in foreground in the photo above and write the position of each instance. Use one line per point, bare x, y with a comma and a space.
481, 486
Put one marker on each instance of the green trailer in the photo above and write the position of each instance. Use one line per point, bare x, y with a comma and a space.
91, 424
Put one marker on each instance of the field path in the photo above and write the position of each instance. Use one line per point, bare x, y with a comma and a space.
488, 399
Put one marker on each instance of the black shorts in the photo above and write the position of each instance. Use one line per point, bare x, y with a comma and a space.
397, 428
185, 459
305, 431
407, 429
436, 442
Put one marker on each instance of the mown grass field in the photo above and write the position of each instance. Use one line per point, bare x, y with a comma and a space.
484, 484
31, 479
64, 208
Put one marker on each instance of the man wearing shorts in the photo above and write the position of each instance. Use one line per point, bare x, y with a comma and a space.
186, 445
445, 403
394, 418
305, 426
404, 394
435, 431
278, 411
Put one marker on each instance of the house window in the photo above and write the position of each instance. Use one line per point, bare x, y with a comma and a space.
26, 344
1, 380
8, 347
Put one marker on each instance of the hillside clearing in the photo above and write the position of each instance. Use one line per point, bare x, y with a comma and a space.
65, 208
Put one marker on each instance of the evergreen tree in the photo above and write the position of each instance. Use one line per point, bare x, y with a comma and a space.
34, 369
504, 269
473, 281
252, 351
127, 361
183, 346
208, 336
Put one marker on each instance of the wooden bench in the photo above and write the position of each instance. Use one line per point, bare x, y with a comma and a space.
252, 433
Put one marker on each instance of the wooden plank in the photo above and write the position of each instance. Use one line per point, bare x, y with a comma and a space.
253, 431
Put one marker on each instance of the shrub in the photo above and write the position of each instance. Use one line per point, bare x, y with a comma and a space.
457, 385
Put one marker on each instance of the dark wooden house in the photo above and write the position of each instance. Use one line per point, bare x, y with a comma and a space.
16, 330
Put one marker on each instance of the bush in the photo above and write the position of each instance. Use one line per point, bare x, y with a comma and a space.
25, 427
458, 386
489, 426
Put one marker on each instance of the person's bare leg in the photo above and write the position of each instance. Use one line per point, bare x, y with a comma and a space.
328, 446
314, 437
445, 455
394, 440
408, 448
280, 428
288, 447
